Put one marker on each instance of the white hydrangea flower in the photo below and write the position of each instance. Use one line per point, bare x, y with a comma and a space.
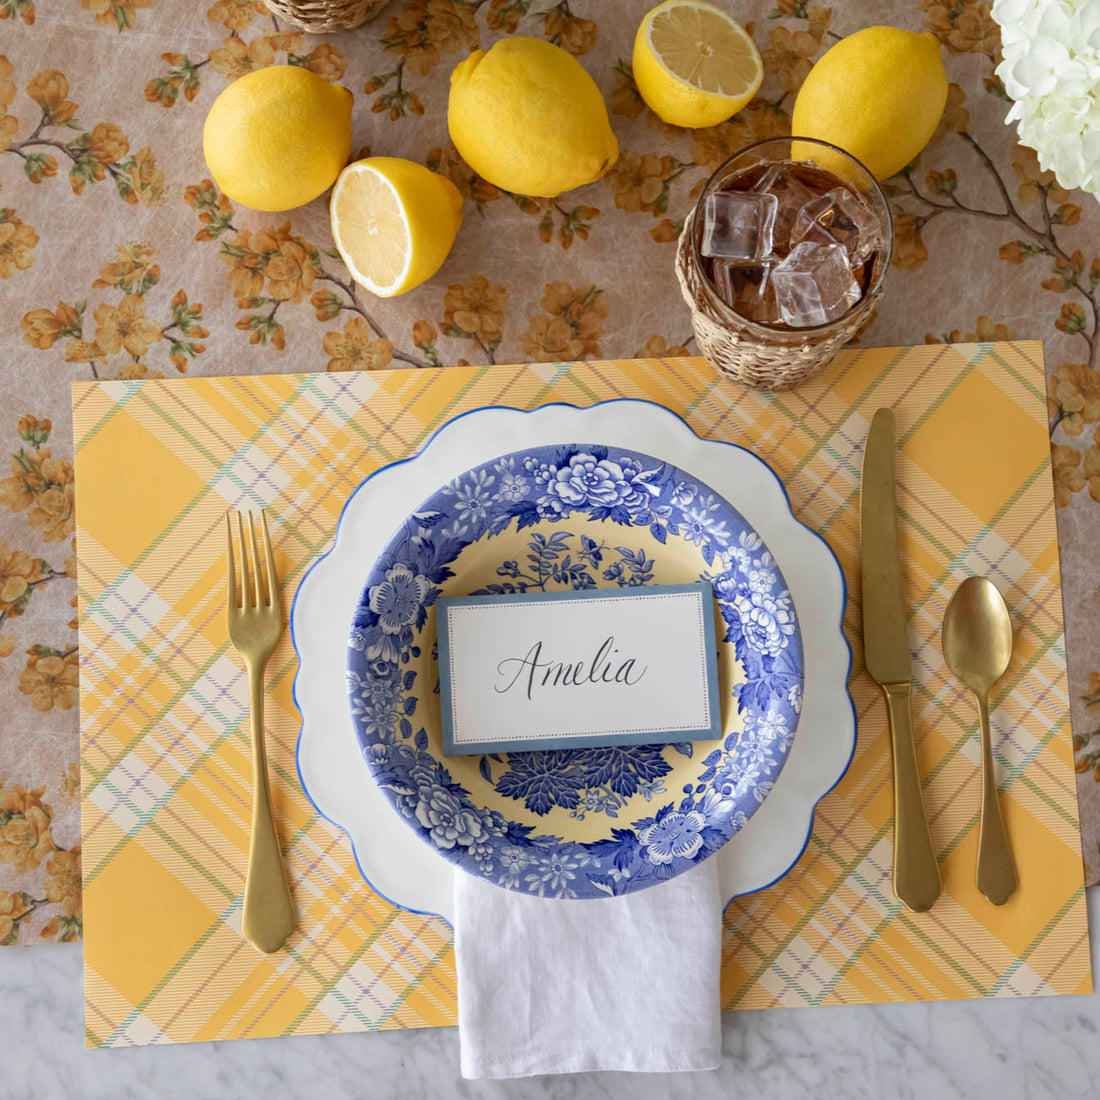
1051, 69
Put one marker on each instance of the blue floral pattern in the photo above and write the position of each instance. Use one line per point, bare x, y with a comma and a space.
543, 489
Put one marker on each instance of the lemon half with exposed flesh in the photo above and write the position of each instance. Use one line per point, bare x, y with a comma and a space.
693, 64
393, 222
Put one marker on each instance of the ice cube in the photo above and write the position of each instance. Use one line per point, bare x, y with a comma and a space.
747, 290
737, 225
841, 217
814, 284
791, 194
807, 228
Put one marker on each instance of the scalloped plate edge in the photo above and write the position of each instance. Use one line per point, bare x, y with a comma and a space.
329, 766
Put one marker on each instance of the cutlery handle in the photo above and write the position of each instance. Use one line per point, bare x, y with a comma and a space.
996, 869
916, 873
268, 917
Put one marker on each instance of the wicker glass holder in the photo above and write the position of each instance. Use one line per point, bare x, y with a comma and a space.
773, 357
326, 16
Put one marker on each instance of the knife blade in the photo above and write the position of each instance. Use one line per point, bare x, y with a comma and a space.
916, 874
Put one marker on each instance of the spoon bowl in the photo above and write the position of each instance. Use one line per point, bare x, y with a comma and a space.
977, 634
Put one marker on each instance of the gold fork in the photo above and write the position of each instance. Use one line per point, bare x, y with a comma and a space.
255, 623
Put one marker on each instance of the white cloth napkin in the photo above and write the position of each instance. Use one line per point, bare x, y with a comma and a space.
555, 986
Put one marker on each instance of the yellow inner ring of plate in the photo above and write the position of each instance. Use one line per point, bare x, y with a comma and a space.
676, 562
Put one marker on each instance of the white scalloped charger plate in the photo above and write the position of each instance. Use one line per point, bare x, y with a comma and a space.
393, 860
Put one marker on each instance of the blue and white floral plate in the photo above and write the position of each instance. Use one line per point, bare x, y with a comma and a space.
391, 856
574, 823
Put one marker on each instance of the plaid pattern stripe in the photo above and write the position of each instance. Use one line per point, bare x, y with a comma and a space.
165, 761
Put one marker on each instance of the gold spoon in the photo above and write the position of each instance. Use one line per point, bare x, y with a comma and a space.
977, 645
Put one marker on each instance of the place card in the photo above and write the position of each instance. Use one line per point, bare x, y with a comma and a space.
555, 670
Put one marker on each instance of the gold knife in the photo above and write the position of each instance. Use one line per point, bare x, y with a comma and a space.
886, 655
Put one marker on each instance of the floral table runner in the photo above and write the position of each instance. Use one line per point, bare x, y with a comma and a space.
119, 258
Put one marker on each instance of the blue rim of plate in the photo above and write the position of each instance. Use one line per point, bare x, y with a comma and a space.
578, 408
630, 843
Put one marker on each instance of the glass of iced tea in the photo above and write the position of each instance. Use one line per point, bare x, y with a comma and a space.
783, 259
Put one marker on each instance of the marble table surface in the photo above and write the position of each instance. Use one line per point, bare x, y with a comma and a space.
1027, 1049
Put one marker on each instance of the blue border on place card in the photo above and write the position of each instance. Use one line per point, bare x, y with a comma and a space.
470, 748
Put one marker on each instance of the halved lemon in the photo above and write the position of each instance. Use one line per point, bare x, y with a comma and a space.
393, 222
693, 64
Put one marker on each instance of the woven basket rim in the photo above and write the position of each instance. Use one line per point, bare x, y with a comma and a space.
325, 16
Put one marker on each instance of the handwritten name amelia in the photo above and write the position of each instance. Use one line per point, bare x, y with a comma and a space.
534, 670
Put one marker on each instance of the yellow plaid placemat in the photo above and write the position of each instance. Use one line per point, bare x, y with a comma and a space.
165, 760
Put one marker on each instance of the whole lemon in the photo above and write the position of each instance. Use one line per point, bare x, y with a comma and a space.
878, 94
527, 117
278, 137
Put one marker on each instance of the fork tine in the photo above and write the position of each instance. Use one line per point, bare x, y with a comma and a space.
244, 561
269, 558
257, 578
232, 564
